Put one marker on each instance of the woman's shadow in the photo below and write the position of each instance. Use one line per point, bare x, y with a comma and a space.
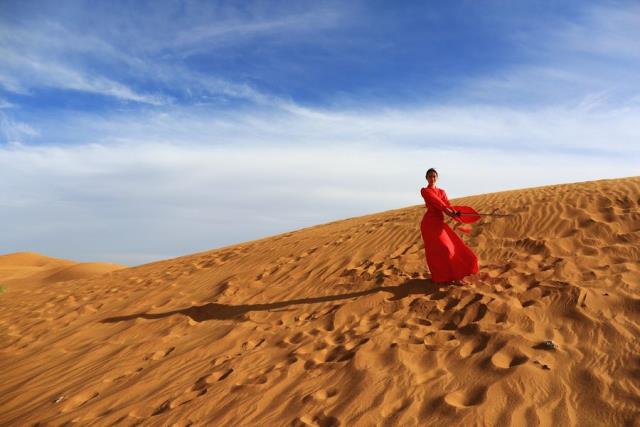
215, 311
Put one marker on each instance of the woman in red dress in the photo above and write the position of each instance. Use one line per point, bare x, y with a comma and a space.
448, 258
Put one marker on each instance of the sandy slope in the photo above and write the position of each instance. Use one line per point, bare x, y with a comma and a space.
338, 325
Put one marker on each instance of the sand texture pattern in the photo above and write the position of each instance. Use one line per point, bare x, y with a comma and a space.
338, 324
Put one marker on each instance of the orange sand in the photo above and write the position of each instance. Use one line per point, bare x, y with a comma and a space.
338, 325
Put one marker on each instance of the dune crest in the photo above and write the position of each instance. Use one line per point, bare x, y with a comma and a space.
338, 324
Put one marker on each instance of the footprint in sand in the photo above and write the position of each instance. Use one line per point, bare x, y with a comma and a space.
505, 359
188, 396
295, 339
209, 262
397, 408
305, 254
336, 354
199, 388
79, 400
310, 365
283, 364
319, 419
122, 377
251, 344
366, 326
543, 366
321, 395
219, 376
164, 407
436, 340
477, 344
159, 354
343, 349
311, 347
164, 303
256, 380
467, 398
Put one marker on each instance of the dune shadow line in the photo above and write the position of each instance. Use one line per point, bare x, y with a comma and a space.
215, 311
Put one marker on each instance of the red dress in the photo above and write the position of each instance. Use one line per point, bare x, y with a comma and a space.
448, 257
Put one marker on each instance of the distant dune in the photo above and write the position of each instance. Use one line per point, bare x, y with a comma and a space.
33, 269
338, 324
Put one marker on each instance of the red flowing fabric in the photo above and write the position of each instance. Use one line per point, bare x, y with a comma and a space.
448, 257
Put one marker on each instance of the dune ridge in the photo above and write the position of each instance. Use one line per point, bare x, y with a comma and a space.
338, 324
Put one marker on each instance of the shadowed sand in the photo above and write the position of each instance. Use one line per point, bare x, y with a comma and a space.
213, 311
339, 325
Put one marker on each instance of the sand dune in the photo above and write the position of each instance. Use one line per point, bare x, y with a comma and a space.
32, 269
338, 324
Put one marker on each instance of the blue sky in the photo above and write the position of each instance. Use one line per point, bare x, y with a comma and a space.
136, 131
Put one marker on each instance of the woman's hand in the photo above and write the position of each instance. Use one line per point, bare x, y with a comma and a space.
452, 213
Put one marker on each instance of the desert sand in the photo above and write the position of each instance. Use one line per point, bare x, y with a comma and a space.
339, 324
32, 270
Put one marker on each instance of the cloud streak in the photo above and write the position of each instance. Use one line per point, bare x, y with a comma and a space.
585, 127
575, 62
162, 185
29, 61
41, 53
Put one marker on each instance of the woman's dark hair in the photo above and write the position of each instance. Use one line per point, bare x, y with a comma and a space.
431, 170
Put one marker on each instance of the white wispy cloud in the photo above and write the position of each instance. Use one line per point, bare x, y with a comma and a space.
38, 57
14, 131
587, 61
4, 104
44, 53
185, 198
165, 184
610, 32
216, 33
552, 128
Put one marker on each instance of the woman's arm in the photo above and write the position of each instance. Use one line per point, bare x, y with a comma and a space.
436, 202
445, 198
447, 203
